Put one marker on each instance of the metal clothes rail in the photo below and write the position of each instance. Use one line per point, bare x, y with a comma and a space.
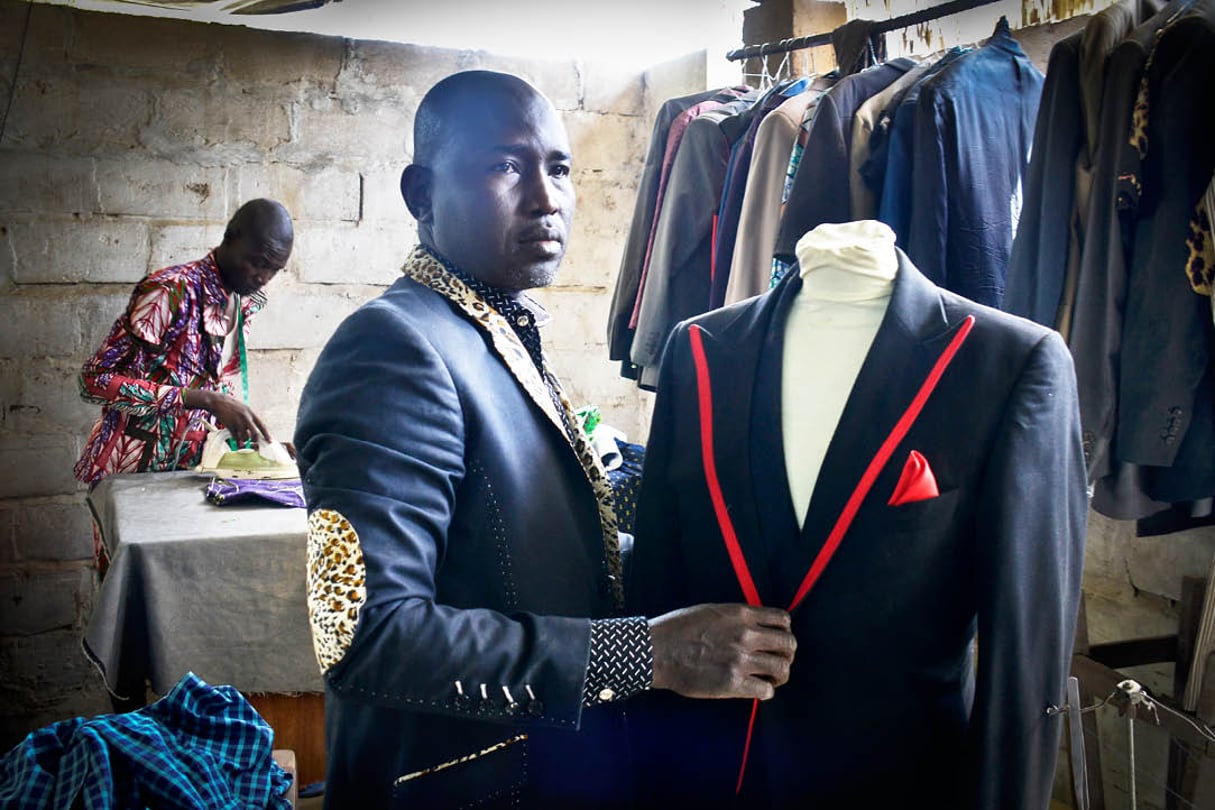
879, 27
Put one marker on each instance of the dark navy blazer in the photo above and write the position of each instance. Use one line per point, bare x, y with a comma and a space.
886, 700
484, 556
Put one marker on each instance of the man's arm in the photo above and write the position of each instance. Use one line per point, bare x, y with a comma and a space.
117, 374
381, 443
230, 412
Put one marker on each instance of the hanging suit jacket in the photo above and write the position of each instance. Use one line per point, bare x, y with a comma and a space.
890, 162
728, 227
775, 144
868, 117
676, 284
974, 127
883, 702
1166, 394
1038, 261
820, 188
458, 546
1045, 262
645, 207
1095, 337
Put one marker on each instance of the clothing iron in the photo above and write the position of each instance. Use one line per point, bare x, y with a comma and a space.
222, 456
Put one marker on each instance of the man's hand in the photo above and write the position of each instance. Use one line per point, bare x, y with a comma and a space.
722, 651
236, 416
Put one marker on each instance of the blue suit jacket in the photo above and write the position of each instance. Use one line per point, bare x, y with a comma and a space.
974, 126
883, 701
458, 545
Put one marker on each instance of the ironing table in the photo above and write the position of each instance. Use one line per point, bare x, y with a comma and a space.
214, 590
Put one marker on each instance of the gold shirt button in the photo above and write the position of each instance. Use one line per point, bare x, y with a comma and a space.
606, 694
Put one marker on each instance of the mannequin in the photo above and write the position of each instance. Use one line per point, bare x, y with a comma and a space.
847, 272
901, 469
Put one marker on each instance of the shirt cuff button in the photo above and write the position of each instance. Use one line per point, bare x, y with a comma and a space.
606, 694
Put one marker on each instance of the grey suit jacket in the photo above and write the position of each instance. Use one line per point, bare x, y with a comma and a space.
1095, 336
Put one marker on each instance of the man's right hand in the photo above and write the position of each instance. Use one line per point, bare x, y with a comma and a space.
236, 416
722, 651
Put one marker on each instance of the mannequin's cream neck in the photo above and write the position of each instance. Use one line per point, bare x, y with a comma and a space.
850, 261
848, 273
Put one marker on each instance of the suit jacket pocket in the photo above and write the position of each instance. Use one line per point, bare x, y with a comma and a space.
934, 513
490, 778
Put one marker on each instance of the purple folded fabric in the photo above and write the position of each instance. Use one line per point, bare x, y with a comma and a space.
286, 491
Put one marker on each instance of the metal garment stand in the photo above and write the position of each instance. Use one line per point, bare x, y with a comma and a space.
1190, 781
880, 27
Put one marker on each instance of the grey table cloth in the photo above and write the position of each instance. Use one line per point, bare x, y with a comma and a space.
195, 587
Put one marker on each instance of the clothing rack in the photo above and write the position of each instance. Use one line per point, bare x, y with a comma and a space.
880, 27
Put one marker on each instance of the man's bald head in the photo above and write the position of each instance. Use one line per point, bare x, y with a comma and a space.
257, 243
264, 219
452, 105
490, 184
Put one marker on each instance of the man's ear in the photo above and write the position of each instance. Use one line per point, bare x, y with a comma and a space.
417, 184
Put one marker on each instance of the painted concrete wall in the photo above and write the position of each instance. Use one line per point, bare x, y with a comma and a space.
127, 144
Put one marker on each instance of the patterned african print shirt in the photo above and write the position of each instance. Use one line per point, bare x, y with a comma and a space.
171, 337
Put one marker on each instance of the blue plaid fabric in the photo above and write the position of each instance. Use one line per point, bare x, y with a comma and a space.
199, 747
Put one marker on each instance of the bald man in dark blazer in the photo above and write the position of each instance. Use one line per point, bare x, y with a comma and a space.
464, 565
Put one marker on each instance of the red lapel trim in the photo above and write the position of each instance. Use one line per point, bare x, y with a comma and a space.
705, 396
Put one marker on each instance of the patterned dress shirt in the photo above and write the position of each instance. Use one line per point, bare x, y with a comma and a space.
170, 337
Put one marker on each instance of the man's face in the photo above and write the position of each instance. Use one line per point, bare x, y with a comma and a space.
502, 196
247, 263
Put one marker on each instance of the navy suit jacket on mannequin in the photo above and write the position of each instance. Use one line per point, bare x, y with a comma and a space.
887, 700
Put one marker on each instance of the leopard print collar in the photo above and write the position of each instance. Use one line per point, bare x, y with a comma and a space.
424, 268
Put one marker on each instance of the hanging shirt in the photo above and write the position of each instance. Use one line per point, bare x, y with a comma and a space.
170, 338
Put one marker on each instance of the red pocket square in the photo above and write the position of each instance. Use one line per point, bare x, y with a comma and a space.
917, 483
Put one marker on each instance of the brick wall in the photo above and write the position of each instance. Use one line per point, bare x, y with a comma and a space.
128, 143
